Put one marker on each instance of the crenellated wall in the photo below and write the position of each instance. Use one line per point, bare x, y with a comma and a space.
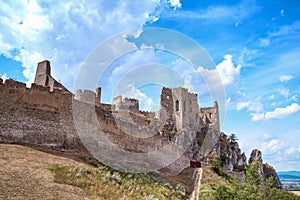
46, 114
37, 117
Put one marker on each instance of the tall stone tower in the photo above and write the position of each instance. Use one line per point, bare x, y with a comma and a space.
43, 73
179, 109
98, 95
43, 77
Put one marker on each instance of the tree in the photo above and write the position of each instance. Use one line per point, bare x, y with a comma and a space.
253, 176
233, 137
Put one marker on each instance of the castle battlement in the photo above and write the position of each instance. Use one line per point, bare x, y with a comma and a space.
43, 115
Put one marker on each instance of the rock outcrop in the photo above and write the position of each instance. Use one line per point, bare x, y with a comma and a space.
255, 156
230, 153
265, 170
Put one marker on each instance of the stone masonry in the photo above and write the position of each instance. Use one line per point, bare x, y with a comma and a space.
42, 116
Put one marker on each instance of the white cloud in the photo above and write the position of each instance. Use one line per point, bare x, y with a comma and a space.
235, 13
282, 12
65, 32
146, 103
273, 146
294, 98
253, 106
3, 76
236, 97
257, 116
272, 96
175, 3
283, 112
285, 78
228, 72
293, 150
131, 62
264, 42
284, 92
242, 105
277, 113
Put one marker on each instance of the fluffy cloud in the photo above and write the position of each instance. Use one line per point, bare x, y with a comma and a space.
146, 103
228, 72
283, 112
175, 3
277, 113
285, 78
273, 146
257, 116
64, 32
253, 106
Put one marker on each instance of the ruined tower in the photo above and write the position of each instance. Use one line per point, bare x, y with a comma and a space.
43, 73
179, 109
210, 116
98, 95
43, 77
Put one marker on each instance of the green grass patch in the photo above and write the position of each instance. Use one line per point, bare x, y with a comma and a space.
105, 183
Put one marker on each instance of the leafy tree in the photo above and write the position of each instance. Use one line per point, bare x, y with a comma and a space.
252, 189
253, 176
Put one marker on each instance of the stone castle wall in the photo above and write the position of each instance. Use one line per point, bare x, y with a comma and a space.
42, 118
37, 117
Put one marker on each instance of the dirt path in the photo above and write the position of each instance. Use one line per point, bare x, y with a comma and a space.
24, 174
197, 177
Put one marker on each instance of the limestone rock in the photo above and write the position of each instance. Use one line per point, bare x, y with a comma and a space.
230, 154
265, 170
255, 156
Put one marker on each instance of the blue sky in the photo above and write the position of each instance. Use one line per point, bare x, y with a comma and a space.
255, 46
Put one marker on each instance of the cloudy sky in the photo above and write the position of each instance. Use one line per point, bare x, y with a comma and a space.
254, 45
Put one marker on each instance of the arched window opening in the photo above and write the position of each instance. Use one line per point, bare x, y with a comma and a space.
177, 105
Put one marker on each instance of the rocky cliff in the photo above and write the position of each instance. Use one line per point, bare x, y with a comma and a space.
265, 170
230, 153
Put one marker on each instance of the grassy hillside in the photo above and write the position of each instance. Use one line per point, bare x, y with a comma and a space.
26, 173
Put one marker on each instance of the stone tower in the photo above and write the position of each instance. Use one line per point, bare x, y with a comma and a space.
98, 95
43, 73
210, 116
179, 109
43, 77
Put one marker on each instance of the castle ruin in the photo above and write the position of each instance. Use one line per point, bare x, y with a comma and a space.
42, 116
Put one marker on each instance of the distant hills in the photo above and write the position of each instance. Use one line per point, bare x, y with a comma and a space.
290, 180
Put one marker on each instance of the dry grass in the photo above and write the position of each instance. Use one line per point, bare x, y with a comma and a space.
24, 174
296, 192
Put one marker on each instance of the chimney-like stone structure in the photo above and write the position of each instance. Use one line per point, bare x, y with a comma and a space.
43, 73
43, 77
98, 95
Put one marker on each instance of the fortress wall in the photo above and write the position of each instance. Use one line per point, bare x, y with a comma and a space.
210, 116
37, 117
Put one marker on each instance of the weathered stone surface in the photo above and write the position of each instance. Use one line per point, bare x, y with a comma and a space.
265, 170
268, 171
43, 116
255, 156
